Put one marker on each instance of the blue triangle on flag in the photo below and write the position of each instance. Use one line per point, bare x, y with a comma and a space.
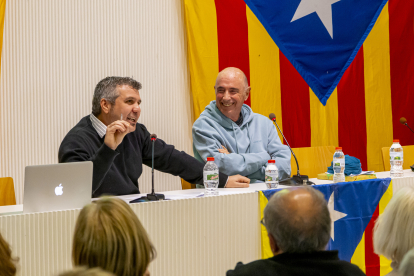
320, 38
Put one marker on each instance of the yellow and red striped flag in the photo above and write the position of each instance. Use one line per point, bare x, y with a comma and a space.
362, 114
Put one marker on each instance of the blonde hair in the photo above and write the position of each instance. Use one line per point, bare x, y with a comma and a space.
7, 263
394, 229
109, 235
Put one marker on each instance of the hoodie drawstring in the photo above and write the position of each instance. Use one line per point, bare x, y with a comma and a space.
248, 135
235, 138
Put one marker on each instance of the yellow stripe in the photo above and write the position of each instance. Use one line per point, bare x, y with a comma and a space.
385, 264
359, 255
201, 26
264, 70
324, 120
2, 16
378, 91
266, 251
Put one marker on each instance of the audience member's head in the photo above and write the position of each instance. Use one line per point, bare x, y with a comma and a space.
394, 229
297, 221
7, 263
407, 264
109, 235
84, 271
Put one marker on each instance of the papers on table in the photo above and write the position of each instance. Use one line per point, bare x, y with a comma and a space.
363, 172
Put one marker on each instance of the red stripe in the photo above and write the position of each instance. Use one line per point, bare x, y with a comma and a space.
352, 130
401, 28
295, 105
372, 260
232, 34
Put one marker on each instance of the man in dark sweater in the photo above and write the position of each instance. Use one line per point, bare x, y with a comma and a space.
298, 225
118, 146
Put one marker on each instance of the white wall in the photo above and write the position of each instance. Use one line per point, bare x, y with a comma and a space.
55, 52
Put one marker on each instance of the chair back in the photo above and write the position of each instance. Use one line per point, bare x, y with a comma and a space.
408, 157
187, 185
312, 160
7, 196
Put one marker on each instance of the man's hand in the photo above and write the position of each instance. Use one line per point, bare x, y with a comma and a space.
116, 132
237, 181
223, 150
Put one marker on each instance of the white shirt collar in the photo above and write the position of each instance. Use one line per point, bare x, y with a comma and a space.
98, 125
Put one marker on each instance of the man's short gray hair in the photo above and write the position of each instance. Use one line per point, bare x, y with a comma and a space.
293, 231
107, 89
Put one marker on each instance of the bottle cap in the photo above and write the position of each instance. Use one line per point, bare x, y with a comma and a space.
271, 161
396, 140
210, 158
338, 148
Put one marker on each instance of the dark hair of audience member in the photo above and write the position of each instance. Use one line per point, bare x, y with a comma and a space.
7, 263
109, 235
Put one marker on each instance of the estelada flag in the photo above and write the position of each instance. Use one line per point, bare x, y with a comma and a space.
320, 38
354, 207
361, 115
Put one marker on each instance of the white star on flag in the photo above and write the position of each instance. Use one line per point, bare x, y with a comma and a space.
323, 9
335, 215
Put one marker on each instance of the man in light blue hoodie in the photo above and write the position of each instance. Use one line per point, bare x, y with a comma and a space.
240, 141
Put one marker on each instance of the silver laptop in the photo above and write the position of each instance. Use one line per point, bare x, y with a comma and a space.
57, 187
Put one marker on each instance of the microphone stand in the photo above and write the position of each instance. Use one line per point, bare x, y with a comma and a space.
153, 196
405, 123
408, 127
298, 179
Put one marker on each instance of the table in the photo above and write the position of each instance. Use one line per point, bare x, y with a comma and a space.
193, 236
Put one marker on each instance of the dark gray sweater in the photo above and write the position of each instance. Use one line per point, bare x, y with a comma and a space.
116, 172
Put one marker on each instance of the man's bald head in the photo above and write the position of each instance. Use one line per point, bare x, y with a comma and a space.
298, 219
233, 72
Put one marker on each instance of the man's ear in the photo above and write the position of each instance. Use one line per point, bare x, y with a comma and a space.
246, 95
105, 106
273, 245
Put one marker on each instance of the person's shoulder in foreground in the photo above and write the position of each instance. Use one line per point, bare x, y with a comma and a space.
292, 264
298, 226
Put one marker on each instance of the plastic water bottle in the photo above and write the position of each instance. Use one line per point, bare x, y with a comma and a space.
396, 159
271, 175
211, 177
338, 165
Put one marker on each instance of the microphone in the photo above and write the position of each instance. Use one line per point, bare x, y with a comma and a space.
404, 122
295, 180
153, 196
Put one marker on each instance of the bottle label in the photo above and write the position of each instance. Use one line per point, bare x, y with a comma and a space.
339, 162
211, 176
271, 177
396, 156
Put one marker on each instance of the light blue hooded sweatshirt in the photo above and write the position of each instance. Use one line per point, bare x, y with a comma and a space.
250, 146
